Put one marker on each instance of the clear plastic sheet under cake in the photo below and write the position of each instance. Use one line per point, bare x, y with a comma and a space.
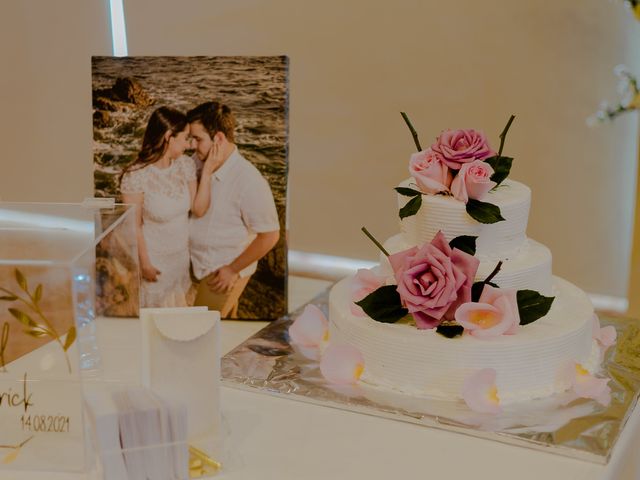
581, 429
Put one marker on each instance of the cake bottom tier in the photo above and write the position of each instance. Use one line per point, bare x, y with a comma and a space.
424, 363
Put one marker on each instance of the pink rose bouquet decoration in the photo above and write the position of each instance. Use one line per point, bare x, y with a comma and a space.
473, 181
458, 147
495, 313
430, 172
433, 280
462, 163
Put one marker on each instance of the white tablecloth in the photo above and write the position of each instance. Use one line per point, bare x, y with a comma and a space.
275, 438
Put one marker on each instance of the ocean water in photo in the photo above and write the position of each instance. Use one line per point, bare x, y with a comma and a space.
254, 87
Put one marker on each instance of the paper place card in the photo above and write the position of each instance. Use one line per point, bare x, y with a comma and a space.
181, 363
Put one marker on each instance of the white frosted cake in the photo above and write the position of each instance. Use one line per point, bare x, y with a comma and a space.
439, 331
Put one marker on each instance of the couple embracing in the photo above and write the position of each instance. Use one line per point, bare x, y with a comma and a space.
204, 221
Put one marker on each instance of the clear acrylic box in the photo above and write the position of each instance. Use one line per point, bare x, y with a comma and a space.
60, 264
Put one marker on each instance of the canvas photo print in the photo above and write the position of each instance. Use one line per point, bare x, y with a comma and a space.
199, 145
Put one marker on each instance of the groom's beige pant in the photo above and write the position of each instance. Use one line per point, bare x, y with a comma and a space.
225, 303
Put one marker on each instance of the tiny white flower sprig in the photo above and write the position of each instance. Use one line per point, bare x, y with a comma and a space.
629, 98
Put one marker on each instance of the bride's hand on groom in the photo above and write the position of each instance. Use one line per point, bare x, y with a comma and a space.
213, 160
223, 279
149, 272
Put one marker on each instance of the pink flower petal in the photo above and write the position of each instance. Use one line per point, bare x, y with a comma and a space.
341, 364
397, 260
478, 190
363, 283
608, 336
459, 188
480, 393
495, 313
474, 315
365, 278
483, 320
596, 389
588, 386
310, 329
429, 172
605, 336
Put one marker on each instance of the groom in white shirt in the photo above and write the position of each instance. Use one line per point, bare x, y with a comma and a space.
238, 224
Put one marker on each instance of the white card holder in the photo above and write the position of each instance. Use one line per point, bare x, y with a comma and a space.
181, 362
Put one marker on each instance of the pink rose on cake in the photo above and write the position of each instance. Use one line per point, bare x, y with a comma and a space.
473, 181
433, 280
458, 147
430, 172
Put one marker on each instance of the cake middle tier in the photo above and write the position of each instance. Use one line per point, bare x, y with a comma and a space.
527, 268
443, 212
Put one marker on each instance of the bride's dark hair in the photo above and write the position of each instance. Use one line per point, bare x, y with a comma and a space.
154, 144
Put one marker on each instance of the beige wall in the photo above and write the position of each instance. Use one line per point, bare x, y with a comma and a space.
354, 66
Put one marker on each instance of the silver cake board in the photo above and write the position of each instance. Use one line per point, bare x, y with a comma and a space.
582, 429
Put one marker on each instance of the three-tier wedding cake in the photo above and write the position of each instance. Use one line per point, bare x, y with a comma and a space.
463, 301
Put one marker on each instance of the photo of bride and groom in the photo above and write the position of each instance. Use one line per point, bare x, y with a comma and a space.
207, 216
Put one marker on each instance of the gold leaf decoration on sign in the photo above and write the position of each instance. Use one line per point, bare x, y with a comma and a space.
15, 451
33, 328
22, 281
71, 336
4, 340
22, 317
38, 294
37, 332
11, 456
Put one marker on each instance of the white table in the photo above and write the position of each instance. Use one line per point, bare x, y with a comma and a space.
275, 438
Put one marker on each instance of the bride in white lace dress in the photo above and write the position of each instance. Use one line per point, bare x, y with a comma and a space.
162, 183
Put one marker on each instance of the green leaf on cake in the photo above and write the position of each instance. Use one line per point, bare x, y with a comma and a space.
483, 212
501, 167
532, 306
411, 208
450, 331
408, 192
466, 243
383, 305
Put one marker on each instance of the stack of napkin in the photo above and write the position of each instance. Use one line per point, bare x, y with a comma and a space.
138, 434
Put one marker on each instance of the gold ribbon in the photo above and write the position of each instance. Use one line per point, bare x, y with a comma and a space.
201, 464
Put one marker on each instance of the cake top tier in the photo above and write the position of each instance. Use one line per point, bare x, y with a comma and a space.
445, 213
